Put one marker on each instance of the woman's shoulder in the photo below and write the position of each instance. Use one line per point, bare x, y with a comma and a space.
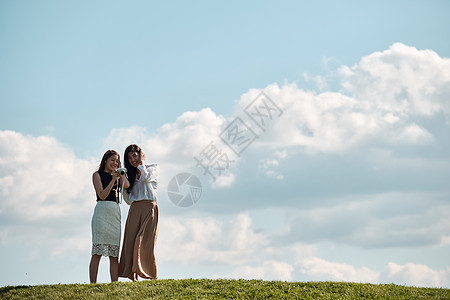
99, 173
96, 175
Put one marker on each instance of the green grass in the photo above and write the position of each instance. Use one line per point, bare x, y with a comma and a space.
222, 289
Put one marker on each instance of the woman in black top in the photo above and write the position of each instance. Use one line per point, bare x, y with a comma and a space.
106, 219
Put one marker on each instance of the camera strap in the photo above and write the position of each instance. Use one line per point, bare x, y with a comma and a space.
121, 192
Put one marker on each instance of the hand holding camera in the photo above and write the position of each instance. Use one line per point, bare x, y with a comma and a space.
121, 171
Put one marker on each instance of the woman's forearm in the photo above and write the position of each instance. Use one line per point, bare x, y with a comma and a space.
124, 181
105, 192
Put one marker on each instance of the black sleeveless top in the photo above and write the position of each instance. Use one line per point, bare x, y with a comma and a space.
106, 179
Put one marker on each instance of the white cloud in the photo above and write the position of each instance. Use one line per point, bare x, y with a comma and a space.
410, 274
416, 275
175, 142
320, 81
224, 180
330, 122
268, 165
48, 199
322, 270
384, 96
188, 240
445, 240
270, 270
42, 178
402, 80
208, 240
119, 138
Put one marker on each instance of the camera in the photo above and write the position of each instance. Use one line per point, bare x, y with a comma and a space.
122, 171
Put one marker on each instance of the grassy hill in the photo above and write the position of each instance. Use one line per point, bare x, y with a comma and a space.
222, 289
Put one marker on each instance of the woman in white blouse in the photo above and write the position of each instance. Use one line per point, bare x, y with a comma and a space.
141, 229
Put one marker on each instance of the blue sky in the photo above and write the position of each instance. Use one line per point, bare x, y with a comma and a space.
349, 183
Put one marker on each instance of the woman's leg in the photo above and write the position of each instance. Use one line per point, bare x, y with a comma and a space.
144, 262
114, 268
93, 268
132, 226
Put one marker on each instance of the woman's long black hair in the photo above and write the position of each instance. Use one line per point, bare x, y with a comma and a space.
131, 171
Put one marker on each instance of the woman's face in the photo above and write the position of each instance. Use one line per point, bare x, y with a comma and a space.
134, 159
112, 163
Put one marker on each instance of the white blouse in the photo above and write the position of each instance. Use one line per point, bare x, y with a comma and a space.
146, 187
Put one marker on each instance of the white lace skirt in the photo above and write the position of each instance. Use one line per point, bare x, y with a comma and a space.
106, 229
